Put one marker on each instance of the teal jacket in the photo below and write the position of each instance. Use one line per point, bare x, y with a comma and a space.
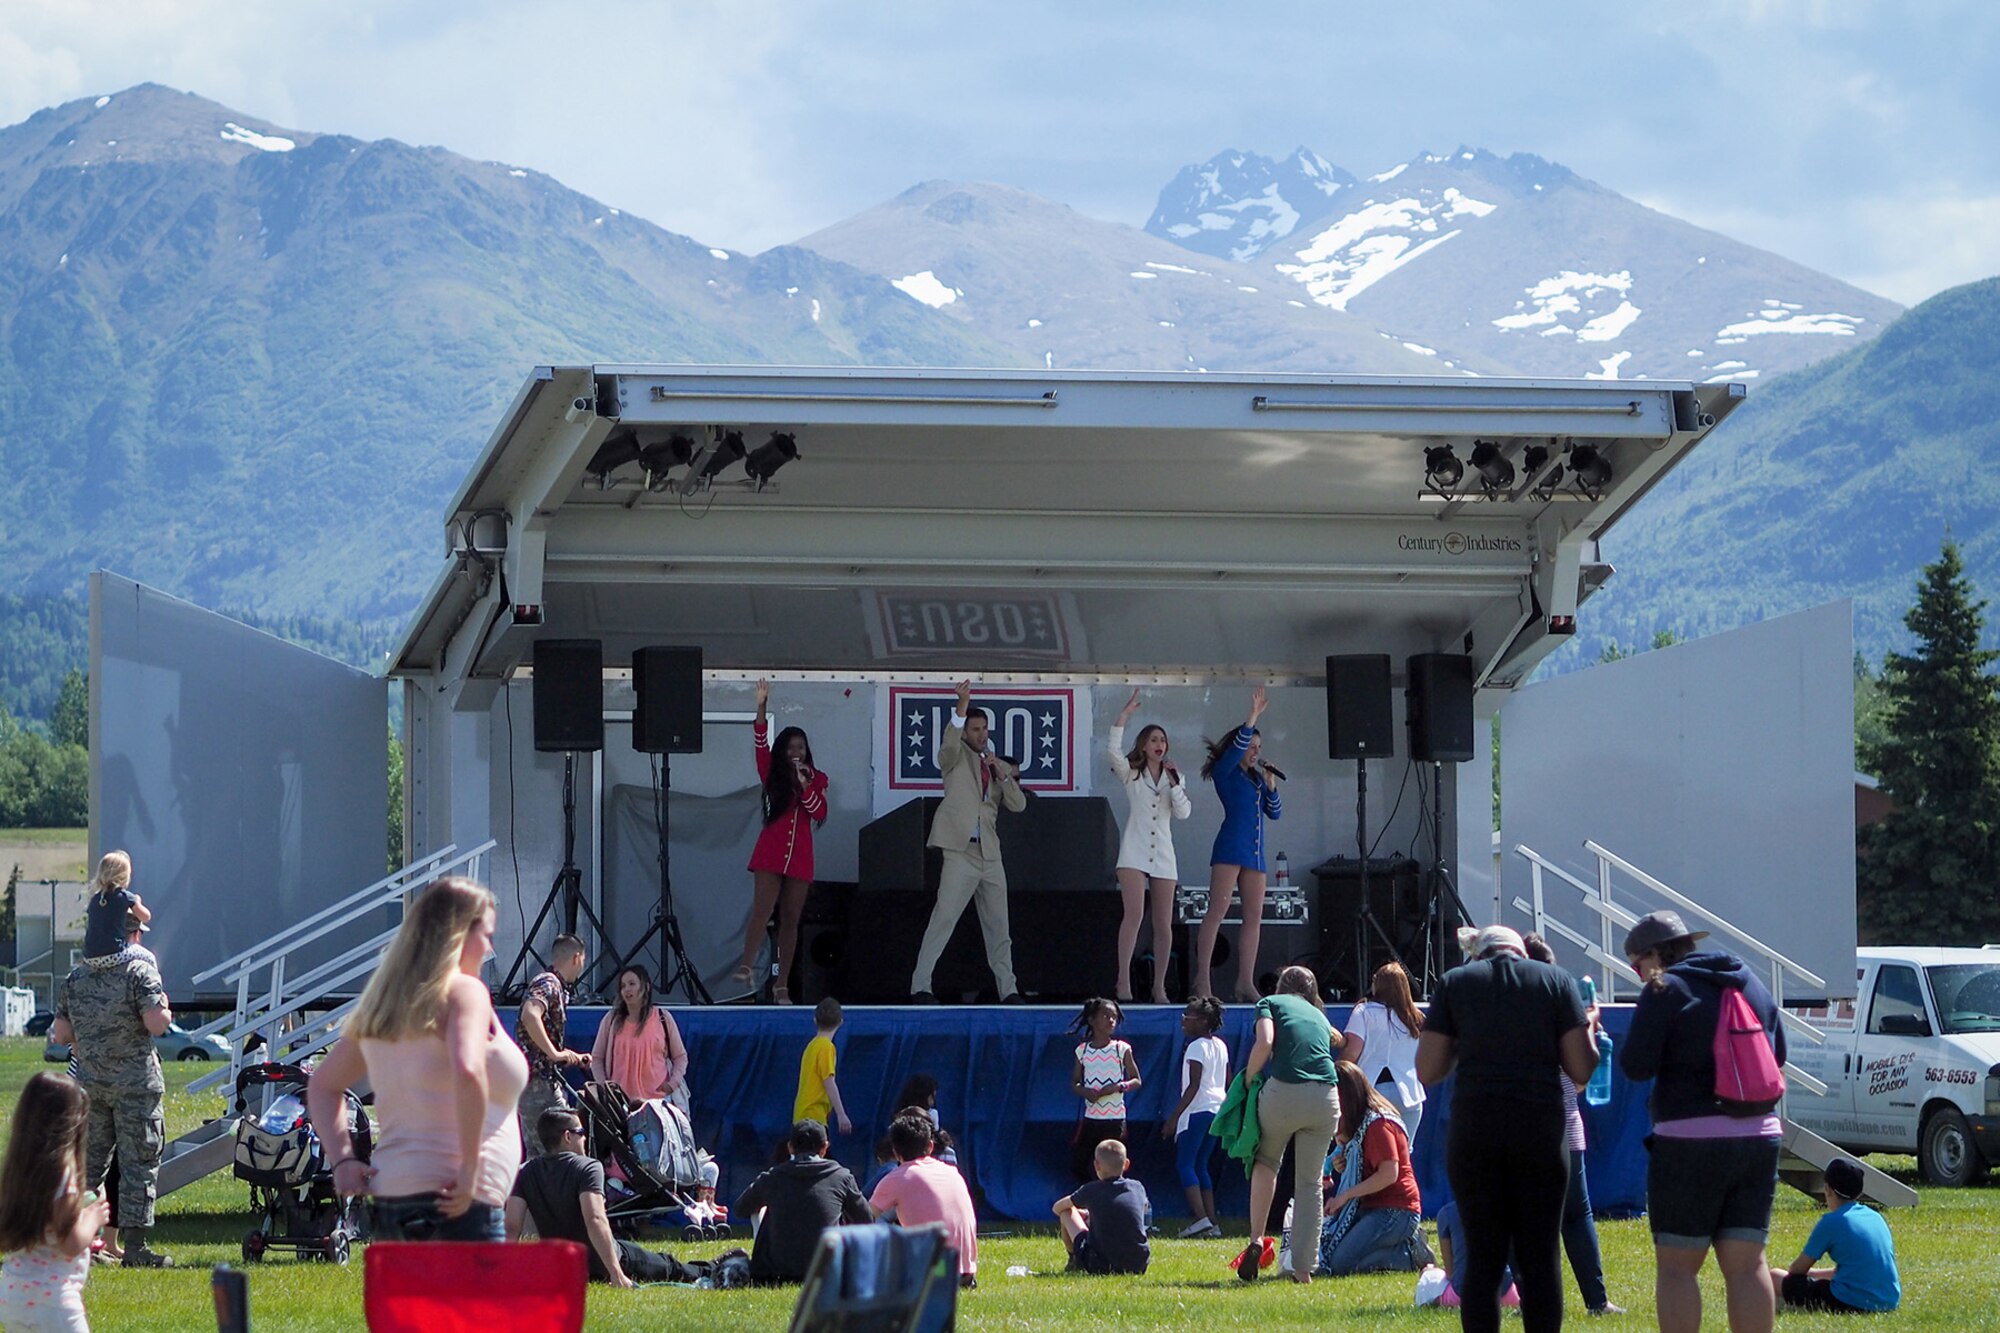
1236, 1123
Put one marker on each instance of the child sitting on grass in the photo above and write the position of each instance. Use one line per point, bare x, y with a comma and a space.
47, 1219
1863, 1279
1104, 1223
922, 1189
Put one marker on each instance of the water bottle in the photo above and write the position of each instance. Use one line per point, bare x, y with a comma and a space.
1284, 872
1598, 1091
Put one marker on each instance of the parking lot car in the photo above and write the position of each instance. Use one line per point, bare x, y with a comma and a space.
176, 1043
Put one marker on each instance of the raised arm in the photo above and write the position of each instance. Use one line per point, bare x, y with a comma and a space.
1115, 743
950, 752
1259, 701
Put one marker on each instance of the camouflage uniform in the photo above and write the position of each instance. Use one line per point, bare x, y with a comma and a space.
117, 1066
546, 1085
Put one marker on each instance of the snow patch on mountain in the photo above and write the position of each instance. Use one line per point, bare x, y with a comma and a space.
926, 287
1775, 318
1607, 369
1236, 205
269, 143
1549, 304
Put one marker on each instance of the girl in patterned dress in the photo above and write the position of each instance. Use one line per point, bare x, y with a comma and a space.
781, 865
1105, 1071
47, 1219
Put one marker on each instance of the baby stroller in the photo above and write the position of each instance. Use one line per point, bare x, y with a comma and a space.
653, 1170
291, 1187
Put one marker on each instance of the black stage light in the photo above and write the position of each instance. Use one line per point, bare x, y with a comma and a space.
613, 454
767, 458
1533, 459
1590, 467
664, 455
1497, 472
730, 450
1442, 468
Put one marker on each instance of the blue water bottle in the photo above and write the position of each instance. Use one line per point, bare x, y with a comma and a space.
1598, 1091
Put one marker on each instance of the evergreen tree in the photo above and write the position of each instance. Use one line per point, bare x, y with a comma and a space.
1926, 872
69, 720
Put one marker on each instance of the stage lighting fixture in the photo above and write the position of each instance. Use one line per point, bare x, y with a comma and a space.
1492, 467
767, 458
1442, 468
612, 455
1533, 459
730, 450
663, 455
1590, 467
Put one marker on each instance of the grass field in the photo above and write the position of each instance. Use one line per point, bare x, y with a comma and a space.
1944, 1249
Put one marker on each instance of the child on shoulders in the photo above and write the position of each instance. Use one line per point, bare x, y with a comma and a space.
1104, 1222
1863, 1279
111, 901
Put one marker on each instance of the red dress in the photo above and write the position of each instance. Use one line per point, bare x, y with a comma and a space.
785, 847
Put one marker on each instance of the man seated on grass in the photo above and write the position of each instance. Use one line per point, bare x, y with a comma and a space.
921, 1189
1104, 1222
1863, 1279
562, 1193
799, 1198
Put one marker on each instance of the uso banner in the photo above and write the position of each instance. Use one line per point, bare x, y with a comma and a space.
1041, 728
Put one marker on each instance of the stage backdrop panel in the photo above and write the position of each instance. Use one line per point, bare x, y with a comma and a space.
1724, 768
247, 777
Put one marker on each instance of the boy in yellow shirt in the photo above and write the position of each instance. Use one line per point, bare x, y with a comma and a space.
819, 1095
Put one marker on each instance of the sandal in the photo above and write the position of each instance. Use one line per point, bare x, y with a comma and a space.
743, 976
779, 995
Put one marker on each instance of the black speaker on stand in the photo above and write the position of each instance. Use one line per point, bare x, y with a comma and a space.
1438, 709
1360, 725
666, 721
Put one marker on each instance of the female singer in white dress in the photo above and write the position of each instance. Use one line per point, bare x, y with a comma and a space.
1146, 854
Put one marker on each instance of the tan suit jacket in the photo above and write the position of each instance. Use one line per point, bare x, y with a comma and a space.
963, 810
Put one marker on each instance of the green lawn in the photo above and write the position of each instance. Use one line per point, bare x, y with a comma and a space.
1944, 1249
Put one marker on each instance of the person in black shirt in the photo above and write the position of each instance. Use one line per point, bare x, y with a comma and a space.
562, 1193
800, 1198
1104, 1222
1511, 1027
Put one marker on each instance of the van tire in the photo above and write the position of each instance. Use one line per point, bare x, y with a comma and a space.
1946, 1154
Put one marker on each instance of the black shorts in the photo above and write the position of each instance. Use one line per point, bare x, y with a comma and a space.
1087, 1258
1699, 1191
1802, 1291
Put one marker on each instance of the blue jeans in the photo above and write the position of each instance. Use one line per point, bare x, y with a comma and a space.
1378, 1242
416, 1217
1193, 1149
1580, 1237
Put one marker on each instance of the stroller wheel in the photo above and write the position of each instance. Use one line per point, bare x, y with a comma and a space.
253, 1248
337, 1249
721, 1231
690, 1232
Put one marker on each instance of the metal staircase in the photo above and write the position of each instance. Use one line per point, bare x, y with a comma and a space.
282, 1005
1806, 1154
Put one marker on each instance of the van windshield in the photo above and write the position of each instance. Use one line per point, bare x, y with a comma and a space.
1968, 996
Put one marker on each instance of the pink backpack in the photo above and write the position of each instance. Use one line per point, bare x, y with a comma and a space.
1747, 1078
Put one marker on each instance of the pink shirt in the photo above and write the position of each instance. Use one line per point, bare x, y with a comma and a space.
928, 1190
416, 1117
640, 1058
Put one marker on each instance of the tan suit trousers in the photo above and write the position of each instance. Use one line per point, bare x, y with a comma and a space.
982, 879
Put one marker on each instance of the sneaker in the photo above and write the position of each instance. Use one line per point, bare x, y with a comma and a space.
1214, 1231
1607, 1308
923, 997
1197, 1229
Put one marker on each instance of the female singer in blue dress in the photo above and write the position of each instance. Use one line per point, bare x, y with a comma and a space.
1248, 789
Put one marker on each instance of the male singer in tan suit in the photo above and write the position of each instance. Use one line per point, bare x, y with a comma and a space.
977, 783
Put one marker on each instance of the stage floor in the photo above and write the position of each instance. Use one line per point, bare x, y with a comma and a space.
1003, 1075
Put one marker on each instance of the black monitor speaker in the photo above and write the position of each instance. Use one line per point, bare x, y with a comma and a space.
1438, 705
569, 694
1359, 715
667, 719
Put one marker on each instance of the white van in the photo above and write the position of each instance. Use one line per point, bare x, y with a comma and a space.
1913, 1064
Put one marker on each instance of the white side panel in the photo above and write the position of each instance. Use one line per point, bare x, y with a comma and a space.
246, 777
1723, 768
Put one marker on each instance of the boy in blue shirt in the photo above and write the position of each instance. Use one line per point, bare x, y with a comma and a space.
1863, 1279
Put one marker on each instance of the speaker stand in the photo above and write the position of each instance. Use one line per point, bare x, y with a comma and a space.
1440, 894
566, 889
676, 968
1365, 920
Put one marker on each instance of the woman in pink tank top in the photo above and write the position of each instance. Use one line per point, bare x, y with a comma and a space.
446, 1079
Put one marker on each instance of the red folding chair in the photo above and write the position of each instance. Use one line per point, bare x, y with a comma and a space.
474, 1287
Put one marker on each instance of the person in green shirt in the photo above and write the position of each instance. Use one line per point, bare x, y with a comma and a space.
1298, 1105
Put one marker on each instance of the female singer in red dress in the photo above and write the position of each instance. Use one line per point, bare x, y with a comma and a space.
782, 862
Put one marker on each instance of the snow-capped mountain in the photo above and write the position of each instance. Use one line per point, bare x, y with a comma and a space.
1237, 205
1062, 289
1520, 262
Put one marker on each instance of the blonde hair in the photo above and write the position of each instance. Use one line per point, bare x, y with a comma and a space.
114, 872
405, 997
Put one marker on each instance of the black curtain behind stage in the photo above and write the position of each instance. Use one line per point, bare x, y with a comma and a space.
711, 841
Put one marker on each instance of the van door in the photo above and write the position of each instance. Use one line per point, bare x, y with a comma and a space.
1889, 1066
1831, 1114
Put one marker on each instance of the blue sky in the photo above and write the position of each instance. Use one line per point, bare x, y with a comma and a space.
1861, 138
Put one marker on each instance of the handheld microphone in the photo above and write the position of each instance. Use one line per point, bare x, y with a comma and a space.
1273, 770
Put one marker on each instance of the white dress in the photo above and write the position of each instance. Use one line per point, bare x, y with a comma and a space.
1148, 844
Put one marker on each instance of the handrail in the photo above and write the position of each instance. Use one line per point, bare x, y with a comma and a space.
1797, 969
263, 951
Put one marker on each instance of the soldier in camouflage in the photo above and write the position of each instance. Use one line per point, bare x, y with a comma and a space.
109, 1010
